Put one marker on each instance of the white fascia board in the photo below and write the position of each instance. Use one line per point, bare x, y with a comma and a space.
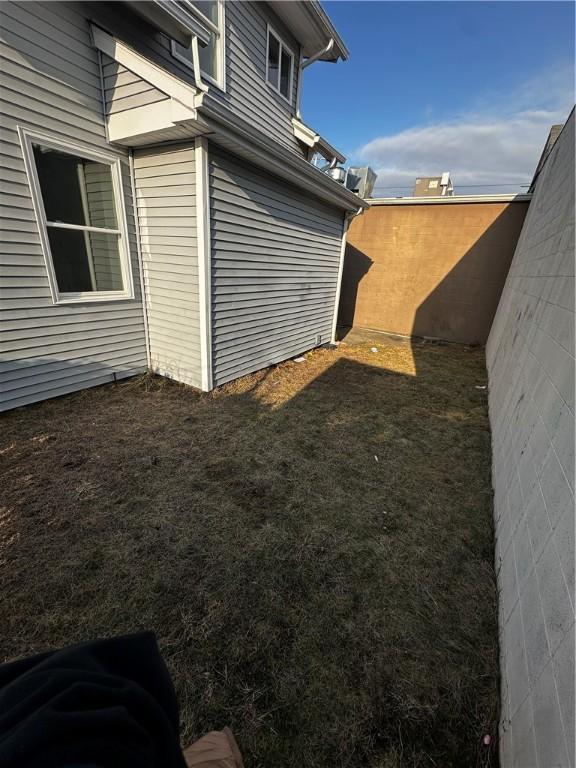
304, 134
144, 68
310, 25
131, 123
452, 200
288, 166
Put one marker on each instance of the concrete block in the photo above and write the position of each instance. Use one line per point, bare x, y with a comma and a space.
557, 494
504, 533
508, 589
539, 445
537, 651
506, 748
564, 543
516, 666
538, 522
523, 554
563, 442
524, 737
563, 664
555, 601
548, 402
550, 739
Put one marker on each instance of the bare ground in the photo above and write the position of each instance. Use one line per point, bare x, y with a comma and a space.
312, 545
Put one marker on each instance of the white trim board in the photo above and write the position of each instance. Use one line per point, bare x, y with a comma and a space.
347, 218
153, 74
452, 200
281, 46
27, 138
149, 118
219, 30
310, 138
204, 260
143, 297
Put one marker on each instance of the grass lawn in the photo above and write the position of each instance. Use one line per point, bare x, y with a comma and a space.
312, 544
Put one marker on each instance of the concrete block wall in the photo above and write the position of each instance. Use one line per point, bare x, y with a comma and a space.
530, 359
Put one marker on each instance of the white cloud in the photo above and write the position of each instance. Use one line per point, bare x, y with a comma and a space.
498, 143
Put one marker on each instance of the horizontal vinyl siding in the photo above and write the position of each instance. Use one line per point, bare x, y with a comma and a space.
124, 90
51, 83
166, 195
275, 256
247, 94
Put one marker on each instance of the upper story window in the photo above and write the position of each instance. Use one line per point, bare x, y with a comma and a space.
279, 65
210, 14
77, 196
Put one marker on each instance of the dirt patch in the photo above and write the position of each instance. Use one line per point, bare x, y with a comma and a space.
312, 545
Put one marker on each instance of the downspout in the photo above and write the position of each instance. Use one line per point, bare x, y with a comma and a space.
200, 84
302, 67
140, 260
345, 224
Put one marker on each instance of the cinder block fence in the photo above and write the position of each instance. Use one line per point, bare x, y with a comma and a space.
530, 358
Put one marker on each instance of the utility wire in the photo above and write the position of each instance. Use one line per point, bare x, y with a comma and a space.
467, 186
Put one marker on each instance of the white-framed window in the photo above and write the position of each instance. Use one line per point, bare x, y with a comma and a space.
210, 14
79, 206
279, 65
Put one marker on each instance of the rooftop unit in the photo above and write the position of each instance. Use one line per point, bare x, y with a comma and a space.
434, 186
361, 181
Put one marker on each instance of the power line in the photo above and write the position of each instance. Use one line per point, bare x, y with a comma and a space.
467, 186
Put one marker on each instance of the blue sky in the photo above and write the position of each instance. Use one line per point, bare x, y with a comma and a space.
469, 87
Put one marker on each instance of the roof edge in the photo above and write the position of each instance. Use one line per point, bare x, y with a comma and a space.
311, 26
454, 199
280, 161
325, 21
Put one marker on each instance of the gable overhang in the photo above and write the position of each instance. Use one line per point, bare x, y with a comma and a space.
174, 117
186, 113
311, 26
315, 142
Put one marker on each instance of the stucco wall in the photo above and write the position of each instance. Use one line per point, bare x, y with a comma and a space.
530, 358
434, 269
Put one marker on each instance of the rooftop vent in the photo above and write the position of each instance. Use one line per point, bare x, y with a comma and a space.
361, 181
337, 173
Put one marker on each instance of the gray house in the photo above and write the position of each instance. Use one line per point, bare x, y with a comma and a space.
159, 204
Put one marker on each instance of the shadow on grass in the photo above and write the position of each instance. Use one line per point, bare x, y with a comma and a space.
312, 545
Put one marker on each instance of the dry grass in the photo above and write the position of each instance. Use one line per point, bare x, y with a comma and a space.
336, 609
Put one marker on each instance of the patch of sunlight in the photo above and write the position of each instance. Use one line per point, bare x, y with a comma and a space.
279, 384
396, 358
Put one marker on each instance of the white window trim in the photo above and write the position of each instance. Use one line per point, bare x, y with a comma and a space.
27, 138
270, 29
219, 30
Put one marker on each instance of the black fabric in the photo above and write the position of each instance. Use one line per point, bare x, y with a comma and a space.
102, 704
